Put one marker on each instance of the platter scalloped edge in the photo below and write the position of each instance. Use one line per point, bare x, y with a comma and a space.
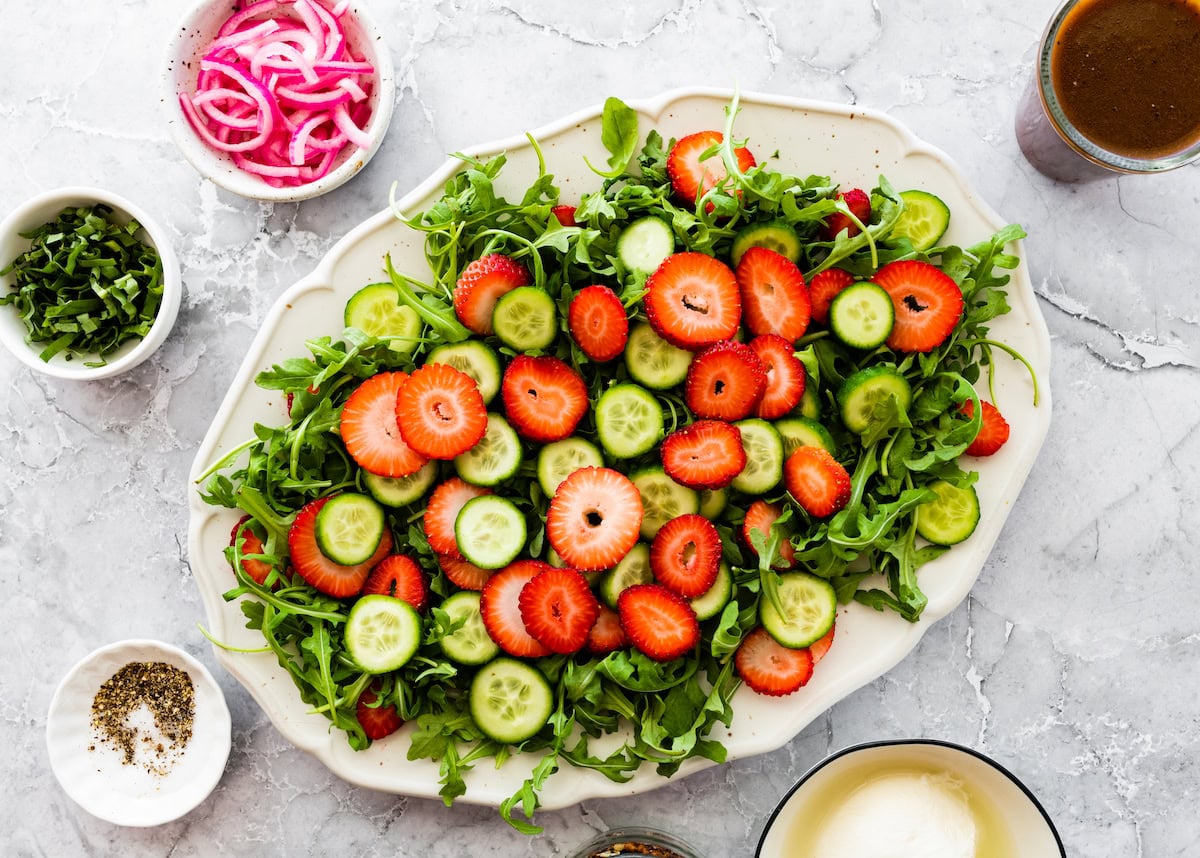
850, 144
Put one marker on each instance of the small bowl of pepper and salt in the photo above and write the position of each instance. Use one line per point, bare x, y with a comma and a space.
89, 284
138, 733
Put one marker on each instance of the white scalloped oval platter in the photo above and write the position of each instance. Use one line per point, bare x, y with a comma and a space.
853, 146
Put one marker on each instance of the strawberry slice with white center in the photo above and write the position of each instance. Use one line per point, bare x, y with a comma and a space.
543, 397
770, 668
482, 283
594, 518
774, 296
369, 430
500, 607
440, 412
658, 621
818, 482
685, 554
693, 177
558, 609
725, 381
692, 301
707, 454
332, 579
928, 304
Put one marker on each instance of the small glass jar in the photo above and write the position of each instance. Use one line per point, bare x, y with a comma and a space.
632, 840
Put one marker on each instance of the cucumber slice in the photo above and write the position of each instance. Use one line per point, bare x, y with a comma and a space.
952, 517
662, 499
714, 600
644, 244
810, 403
510, 700
490, 531
629, 421
862, 315
525, 319
923, 220
869, 396
495, 458
713, 503
382, 633
652, 361
764, 457
634, 568
349, 528
777, 235
477, 360
400, 491
797, 432
559, 459
470, 643
376, 310
810, 607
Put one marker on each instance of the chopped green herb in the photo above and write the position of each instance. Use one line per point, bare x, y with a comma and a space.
86, 285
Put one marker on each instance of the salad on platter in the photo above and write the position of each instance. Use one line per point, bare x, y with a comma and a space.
610, 458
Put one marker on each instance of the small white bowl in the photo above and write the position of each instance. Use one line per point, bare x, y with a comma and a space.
44, 208
188, 44
96, 776
997, 799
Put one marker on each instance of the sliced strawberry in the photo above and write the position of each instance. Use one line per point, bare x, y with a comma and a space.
658, 622
440, 412
463, 574
369, 431
685, 554
500, 607
258, 570
445, 503
993, 434
817, 481
786, 376
760, 515
399, 575
859, 203
928, 304
377, 720
543, 397
594, 518
692, 301
482, 283
824, 287
770, 668
564, 214
725, 381
558, 609
708, 454
691, 178
319, 571
606, 634
818, 649
774, 296
598, 323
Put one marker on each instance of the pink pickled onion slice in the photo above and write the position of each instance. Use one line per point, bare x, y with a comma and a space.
241, 37
235, 20
341, 118
356, 91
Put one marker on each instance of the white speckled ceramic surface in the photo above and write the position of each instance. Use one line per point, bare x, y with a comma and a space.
1070, 662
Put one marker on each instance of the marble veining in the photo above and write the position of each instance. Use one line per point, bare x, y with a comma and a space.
1072, 661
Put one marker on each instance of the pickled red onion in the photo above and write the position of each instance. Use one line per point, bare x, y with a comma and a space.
281, 91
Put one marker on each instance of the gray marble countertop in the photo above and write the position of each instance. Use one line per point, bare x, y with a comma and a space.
1072, 662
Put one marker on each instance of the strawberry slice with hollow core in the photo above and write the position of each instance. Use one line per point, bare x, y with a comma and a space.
685, 554
440, 412
692, 301
928, 304
708, 454
725, 381
543, 397
774, 295
594, 518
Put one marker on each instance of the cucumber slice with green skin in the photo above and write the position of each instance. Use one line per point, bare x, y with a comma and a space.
629, 421
764, 457
470, 643
559, 459
662, 499
810, 607
400, 491
864, 397
718, 595
777, 235
644, 244
349, 528
797, 432
634, 568
951, 517
652, 361
382, 633
496, 456
510, 700
810, 403
376, 310
923, 220
525, 319
862, 315
490, 531
713, 503
476, 359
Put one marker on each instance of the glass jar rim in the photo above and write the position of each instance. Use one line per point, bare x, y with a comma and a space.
1070, 134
